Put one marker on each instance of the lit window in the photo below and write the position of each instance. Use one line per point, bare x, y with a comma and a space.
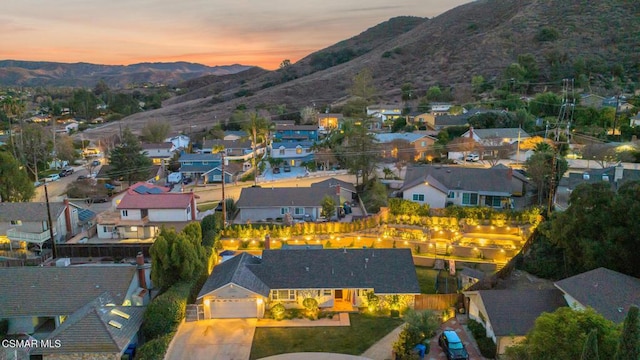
326, 292
283, 295
16, 222
298, 150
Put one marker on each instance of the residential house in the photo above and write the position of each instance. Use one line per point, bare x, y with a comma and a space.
267, 204
232, 171
346, 190
244, 286
235, 135
388, 112
492, 141
405, 146
439, 108
508, 315
93, 311
329, 121
24, 223
614, 175
143, 210
292, 153
180, 142
469, 277
591, 100
196, 165
235, 150
295, 133
419, 118
608, 292
160, 153
441, 186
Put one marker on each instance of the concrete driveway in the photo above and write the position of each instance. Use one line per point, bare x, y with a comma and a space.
220, 339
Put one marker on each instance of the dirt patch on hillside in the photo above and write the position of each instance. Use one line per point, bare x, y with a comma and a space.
522, 280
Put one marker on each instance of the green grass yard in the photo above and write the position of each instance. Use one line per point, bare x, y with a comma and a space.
427, 279
364, 331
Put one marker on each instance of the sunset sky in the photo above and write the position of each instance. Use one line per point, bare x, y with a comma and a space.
213, 32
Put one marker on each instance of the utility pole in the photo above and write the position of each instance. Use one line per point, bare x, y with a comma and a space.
224, 200
615, 117
53, 240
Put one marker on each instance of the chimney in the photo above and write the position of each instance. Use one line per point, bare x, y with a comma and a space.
267, 242
510, 173
618, 172
338, 190
471, 132
194, 209
142, 279
67, 216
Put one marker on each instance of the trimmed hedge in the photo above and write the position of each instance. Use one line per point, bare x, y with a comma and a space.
165, 312
485, 344
154, 349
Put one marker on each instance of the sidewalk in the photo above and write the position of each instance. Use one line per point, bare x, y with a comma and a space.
382, 349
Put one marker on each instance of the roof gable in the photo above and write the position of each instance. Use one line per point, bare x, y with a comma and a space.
235, 271
29, 211
493, 180
333, 182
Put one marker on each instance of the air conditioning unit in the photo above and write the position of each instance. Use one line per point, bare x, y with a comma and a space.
63, 262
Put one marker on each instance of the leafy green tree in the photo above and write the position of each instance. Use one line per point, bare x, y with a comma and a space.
258, 129
361, 151
128, 160
545, 104
155, 131
629, 345
362, 85
407, 91
540, 168
328, 207
434, 93
177, 256
590, 349
419, 327
374, 196
548, 338
15, 185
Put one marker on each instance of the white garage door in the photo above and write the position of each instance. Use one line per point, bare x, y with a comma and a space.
236, 308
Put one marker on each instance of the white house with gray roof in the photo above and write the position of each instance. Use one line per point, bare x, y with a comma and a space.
244, 286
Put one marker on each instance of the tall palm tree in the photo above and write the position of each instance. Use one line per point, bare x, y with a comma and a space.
257, 129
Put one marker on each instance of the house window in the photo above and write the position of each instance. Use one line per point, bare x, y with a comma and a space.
16, 222
418, 197
283, 295
469, 199
451, 195
104, 229
326, 292
493, 201
187, 163
423, 143
125, 213
281, 151
284, 210
298, 150
299, 211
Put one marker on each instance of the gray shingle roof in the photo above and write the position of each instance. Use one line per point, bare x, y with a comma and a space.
514, 312
390, 137
52, 291
493, 180
29, 211
387, 271
235, 271
88, 331
608, 292
573, 179
199, 157
331, 182
227, 144
501, 133
289, 196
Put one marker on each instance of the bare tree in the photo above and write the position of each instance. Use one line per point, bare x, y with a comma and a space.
603, 154
155, 131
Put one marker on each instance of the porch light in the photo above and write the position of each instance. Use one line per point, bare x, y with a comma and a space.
259, 301
206, 302
379, 240
406, 242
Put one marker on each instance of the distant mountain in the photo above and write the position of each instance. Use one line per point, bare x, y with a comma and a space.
566, 38
42, 73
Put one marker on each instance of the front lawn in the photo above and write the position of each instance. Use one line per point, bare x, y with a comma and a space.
364, 331
427, 279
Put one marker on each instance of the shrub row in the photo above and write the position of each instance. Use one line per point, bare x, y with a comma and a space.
485, 344
155, 349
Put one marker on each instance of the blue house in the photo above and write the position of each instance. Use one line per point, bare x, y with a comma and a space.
288, 132
196, 165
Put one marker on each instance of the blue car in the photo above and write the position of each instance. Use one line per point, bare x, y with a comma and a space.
450, 342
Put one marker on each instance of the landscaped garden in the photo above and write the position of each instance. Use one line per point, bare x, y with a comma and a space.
364, 331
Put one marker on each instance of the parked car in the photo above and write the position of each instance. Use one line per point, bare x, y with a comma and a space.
52, 177
97, 199
83, 177
187, 180
66, 172
276, 170
473, 157
287, 168
95, 163
453, 347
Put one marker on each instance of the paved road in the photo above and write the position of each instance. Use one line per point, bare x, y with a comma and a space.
56, 189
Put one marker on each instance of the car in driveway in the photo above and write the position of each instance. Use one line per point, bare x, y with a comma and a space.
472, 157
97, 199
453, 347
287, 168
52, 177
66, 172
276, 170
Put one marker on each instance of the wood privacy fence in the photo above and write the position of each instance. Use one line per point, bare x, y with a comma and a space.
113, 251
436, 301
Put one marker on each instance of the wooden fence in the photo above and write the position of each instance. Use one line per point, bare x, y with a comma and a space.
113, 251
436, 301
28, 261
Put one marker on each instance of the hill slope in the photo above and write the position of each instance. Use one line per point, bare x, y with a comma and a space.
480, 38
42, 73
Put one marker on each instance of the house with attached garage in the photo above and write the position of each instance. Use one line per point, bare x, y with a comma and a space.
201, 167
442, 186
160, 154
246, 285
143, 210
91, 311
292, 153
